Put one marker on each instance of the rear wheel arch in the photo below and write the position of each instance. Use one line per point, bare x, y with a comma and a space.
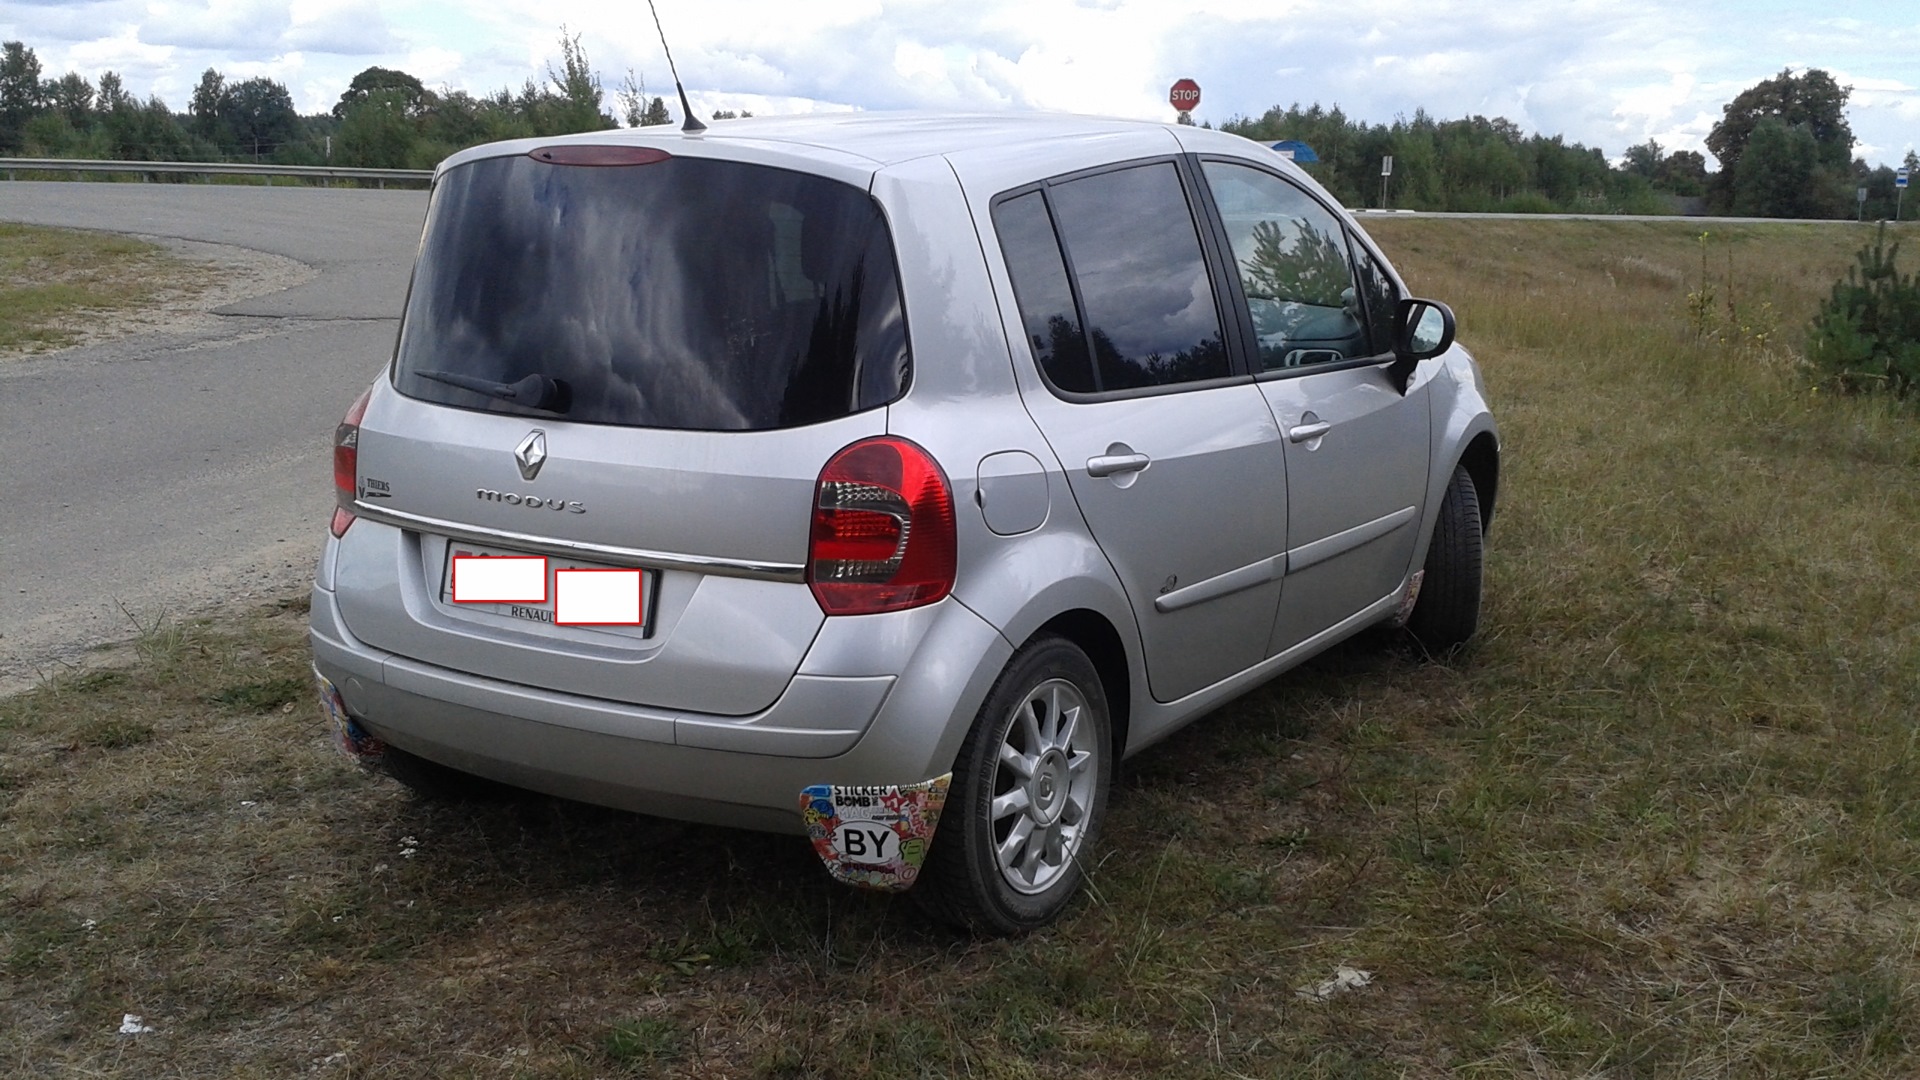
1096, 637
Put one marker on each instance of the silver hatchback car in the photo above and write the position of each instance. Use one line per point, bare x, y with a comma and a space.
884, 479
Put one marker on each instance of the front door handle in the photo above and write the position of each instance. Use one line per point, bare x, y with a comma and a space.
1116, 464
1308, 432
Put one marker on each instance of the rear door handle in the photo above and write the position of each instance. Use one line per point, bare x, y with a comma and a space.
1116, 464
1307, 432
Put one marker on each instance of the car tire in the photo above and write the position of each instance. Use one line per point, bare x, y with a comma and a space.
1447, 612
434, 782
1028, 796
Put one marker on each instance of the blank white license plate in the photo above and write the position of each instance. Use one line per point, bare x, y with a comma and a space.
556, 592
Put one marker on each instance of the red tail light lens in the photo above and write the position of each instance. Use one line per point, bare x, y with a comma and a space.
576, 154
346, 462
883, 536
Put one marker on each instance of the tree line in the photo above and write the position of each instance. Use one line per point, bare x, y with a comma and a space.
384, 119
1784, 146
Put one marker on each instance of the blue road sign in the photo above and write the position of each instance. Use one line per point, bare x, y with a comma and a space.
1900, 178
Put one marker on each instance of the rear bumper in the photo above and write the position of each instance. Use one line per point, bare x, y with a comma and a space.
852, 728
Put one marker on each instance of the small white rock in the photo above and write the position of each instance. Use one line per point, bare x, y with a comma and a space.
1344, 979
132, 1025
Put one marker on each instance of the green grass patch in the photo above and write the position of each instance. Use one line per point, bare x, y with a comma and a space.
1661, 819
53, 281
265, 695
644, 1042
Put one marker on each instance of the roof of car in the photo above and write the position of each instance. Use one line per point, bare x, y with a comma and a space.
881, 138
889, 137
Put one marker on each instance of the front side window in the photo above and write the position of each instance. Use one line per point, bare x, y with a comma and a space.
1291, 254
1381, 297
685, 293
1148, 301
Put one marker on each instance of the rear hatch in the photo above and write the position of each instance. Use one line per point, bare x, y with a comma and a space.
637, 363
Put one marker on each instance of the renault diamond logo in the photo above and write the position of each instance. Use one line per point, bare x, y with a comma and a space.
531, 454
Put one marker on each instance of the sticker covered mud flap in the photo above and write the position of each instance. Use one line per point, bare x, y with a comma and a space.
875, 837
359, 744
1412, 597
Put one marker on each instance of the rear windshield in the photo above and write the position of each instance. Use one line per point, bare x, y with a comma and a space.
687, 293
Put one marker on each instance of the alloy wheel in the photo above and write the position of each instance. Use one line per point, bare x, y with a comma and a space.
1043, 786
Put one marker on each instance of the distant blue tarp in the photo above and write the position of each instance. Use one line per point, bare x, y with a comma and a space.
1297, 151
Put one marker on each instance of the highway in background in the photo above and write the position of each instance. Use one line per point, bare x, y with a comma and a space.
183, 468
167, 472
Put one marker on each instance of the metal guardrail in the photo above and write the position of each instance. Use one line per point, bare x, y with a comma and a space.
211, 168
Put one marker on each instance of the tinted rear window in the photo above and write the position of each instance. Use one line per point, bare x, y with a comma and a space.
688, 293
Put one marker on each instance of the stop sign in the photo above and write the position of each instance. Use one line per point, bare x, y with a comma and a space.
1185, 95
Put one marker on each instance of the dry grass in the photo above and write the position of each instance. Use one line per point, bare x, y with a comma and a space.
54, 282
1663, 819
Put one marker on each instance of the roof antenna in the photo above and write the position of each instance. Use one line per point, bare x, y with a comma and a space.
692, 124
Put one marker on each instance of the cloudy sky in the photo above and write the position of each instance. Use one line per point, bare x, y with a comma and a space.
1607, 73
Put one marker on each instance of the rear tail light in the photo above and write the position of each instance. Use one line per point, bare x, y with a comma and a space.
577, 154
346, 462
882, 536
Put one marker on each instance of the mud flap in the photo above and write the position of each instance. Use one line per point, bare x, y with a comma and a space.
874, 837
1405, 611
357, 743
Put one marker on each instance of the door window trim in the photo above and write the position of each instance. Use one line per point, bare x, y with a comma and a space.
1243, 313
1231, 331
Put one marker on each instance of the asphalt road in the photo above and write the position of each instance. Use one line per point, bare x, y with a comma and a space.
177, 470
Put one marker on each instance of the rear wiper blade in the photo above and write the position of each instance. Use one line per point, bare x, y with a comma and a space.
536, 391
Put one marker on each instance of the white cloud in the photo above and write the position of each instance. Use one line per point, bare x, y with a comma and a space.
247, 28
758, 104
350, 29
285, 68
1606, 73
432, 65
124, 52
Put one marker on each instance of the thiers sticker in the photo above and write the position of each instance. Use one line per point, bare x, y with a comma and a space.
499, 579
875, 837
597, 597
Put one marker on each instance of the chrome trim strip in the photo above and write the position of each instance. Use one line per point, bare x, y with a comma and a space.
1220, 585
619, 556
1342, 542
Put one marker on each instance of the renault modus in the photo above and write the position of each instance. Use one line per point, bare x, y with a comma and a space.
884, 480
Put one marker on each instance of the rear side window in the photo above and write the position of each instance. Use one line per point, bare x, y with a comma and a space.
1046, 300
1146, 315
687, 293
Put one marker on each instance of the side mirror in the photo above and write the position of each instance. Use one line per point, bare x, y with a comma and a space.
1422, 329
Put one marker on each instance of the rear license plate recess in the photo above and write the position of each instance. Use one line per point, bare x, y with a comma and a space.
544, 612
